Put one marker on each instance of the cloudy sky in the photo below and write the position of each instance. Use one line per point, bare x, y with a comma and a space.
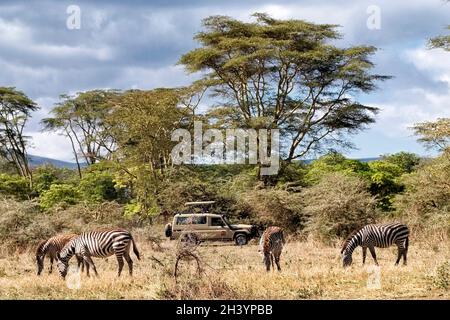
136, 44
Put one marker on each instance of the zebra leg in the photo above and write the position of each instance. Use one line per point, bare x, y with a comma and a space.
87, 268
80, 262
271, 261
374, 256
89, 261
277, 261
405, 251
50, 268
119, 257
399, 254
364, 250
40, 265
267, 260
129, 261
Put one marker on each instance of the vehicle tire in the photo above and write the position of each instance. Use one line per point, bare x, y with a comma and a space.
241, 239
168, 230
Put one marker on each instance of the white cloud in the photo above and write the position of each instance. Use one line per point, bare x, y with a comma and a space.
51, 145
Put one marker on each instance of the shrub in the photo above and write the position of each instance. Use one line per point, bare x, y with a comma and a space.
337, 205
425, 204
274, 207
23, 224
97, 187
46, 175
14, 185
59, 194
441, 280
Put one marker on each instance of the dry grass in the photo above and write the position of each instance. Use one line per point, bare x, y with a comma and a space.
310, 271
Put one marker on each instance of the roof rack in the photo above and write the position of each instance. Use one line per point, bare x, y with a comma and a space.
199, 203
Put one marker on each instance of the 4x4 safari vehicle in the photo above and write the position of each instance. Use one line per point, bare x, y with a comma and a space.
201, 225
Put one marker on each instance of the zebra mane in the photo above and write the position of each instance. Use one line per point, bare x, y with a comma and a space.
350, 236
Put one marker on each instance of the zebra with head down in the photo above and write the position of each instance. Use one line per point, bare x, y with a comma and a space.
377, 235
271, 245
101, 244
51, 248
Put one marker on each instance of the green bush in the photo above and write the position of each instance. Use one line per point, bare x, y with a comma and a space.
96, 187
61, 195
46, 175
425, 204
335, 162
14, 185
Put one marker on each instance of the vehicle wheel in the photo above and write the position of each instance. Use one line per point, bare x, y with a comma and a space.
241, 239
168, 230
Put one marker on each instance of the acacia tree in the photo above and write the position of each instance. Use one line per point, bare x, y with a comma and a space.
81, 118
434, 134
15, 110
142, 123
285, 74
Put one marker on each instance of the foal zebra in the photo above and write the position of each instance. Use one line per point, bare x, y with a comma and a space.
101, 244
381, 236
271, 245
51, 247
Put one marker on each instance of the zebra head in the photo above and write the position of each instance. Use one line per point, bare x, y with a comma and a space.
346, 258
63, 265
63, 257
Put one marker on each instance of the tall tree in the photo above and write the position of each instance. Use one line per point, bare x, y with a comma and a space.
15, 110
442, 42
82, 119
285, 74
142, 124
434, 134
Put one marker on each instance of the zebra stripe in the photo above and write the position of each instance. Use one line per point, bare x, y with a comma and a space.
381, 236
52, 247
271, 246
100, 244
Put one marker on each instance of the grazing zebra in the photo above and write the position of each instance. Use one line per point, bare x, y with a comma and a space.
381, 236
271, 245
52, 247
101, 244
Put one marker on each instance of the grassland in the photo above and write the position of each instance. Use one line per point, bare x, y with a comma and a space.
310, 271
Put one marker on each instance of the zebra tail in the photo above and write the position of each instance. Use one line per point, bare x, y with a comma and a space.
135, 249
407, 242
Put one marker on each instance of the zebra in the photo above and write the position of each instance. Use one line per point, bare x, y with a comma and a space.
381, 236
100, 243
51, 247
270, 245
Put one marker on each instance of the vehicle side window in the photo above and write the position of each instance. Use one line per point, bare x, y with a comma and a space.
199, 220
191, 220
217, 222
182, 220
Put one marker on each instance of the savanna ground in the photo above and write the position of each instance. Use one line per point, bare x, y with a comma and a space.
311, 270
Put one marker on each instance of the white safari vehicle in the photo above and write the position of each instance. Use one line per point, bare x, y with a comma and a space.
198, 224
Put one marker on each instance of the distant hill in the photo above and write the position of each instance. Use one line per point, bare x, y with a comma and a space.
359, 159
36, 161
